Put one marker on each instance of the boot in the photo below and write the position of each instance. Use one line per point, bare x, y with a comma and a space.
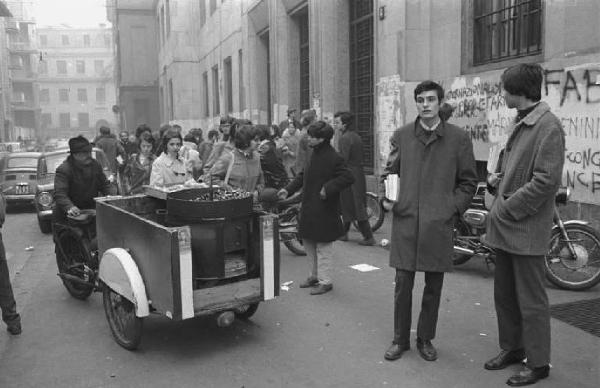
365, 230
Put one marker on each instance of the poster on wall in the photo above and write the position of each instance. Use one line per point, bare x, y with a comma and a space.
573, 94
389, 113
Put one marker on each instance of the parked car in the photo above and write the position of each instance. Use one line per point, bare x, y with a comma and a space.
44, 195
18, 179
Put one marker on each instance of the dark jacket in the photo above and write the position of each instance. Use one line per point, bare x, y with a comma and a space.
136, 174
437, 181
320, 219
272, 167
112, 148
520, 219
76, 186
354, 198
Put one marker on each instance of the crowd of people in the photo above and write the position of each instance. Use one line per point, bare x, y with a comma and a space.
435, 163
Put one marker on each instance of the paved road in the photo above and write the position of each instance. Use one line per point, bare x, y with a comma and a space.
298, 340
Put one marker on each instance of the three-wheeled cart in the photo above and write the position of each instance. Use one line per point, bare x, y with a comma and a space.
215, 265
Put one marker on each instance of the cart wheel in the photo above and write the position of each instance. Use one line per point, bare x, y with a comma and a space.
246, 311
120, 314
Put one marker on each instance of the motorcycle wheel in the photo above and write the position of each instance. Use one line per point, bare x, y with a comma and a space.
125, 326
460, 229
374, 212
292, 241
75, 256
246, 311
565, 271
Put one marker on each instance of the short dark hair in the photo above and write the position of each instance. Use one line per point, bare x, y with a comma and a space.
104, 130
320, 130
226, 120
168, 135
262, 131
446, 111
147, 137
345, 117
243, 136
142, 128
276, 131
428, 85
524, 79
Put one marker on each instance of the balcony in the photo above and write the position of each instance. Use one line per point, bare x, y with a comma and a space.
21, 47
23, 75
12, 27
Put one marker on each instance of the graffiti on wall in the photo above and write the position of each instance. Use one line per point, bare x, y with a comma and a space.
574, 96
389, 113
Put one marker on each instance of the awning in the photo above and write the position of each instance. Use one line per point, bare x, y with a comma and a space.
4, 11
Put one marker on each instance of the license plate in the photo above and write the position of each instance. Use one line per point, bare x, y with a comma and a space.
22, 189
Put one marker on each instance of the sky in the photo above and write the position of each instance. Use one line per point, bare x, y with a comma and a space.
76, 13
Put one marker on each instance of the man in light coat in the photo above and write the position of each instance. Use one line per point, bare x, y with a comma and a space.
520, 222
436, 167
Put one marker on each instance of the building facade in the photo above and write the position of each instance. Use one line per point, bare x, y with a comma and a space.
257, 58
20, 102
136, 62
76, 82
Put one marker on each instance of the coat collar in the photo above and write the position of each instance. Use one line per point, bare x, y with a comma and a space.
535, 114
422, 136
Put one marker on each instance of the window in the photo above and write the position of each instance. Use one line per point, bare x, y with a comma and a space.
162, 24
86, 40
43, 40
213, 6
44, 96
241, 88
100, 95
171, 107
205, 89
215, 87
227, 74
83, 119
168, 17
63, 95
43, 67
304, 61
64, 120
504, 29
107, 40
202, 12
46, 119
61, 67
98, 66
82, 95
65, 40
80, 67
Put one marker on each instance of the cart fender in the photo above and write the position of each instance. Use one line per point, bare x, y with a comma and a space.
570, 222
120, 273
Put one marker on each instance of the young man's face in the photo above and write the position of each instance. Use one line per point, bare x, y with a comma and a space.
314, 141
428, 104
83, 157
512, 101
337, 124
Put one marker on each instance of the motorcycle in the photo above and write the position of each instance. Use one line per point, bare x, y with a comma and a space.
573, 258
77, 253
375, 212
288, 211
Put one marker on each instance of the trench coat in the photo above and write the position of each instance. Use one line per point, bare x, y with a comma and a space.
520, 220
438, 179
354, 198
320, 219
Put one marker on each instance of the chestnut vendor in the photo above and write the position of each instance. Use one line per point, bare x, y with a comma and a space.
239, 168
169, 168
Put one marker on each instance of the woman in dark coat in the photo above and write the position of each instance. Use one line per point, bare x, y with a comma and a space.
354, 198
322, 179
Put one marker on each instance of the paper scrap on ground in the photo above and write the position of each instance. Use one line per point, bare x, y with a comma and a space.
363, 267
286, 286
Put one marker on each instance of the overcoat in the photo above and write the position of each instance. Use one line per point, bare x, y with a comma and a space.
353, 199
320, 219
520, 220
438, 179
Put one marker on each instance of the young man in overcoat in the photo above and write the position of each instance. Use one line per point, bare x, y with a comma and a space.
436, 167
322, 179
520, 222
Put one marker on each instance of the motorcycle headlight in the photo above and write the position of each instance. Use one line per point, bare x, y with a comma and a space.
45, 199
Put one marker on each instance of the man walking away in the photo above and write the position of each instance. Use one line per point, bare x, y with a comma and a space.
436, 167
10, 316
526, 180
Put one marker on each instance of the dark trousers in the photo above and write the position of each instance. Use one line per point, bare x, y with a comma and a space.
7, 299
429, 306
522, 306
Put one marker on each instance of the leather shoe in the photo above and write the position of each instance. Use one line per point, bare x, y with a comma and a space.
309, 282
14, 329
426, 350
321, 289
528, 376
367, 242
504, 359
395, 351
